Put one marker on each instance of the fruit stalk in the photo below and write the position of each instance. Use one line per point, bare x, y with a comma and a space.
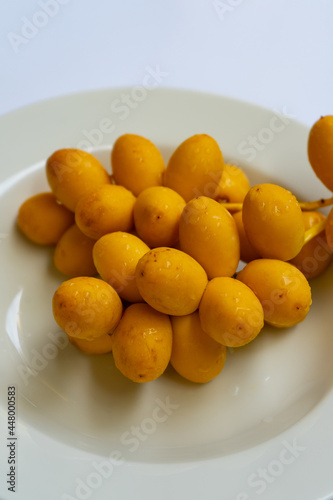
314, 205
314, 231
304, 205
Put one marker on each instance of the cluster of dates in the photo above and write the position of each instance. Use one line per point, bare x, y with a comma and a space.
152, 252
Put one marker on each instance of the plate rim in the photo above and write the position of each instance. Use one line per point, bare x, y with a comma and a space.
327, 400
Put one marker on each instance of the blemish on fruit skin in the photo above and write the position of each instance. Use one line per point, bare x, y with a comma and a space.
154, 355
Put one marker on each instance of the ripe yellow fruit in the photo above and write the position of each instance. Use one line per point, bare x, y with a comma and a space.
101, 345
142, 343
320, 150
116, 256
104, 210
282, 289
233, 185
195, 356
86, 307
170, 281
136, 163
43, 220
195, 168
329, 229
273, 221
157, 212
71, 173
315, 256
247, 250
209, 234
73, 254
230, 312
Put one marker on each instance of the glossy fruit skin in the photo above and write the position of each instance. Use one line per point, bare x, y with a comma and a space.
320, 150
71, 173
315, 256
43, 220
116, 256
195, 356
209, 234
157, 212
86, 307
233, 186
170, 281
230, 313
105, 209
329, 229
247, 250
142, 343
136, 163
273, 221
101, 345
195, 168
282, 289
73, 254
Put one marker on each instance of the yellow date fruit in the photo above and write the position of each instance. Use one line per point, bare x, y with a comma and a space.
116, 256
73, 254
195, 356
329, 229
195, 168
170, 281
157, 212
273, 221
43, 220
86, 307
233, 185
230, 312
282, 289
320, 150
142, 343
315, 256
101, 345
71, 173
247, 250
209, 234
104, 210
136, 163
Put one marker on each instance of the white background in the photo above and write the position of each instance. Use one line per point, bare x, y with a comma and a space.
274, 53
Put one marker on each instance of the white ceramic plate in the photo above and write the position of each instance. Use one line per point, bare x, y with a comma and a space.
263, 428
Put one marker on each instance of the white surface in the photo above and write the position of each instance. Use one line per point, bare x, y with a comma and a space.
277, 54
262, 428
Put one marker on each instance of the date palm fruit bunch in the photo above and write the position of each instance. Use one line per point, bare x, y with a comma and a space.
152, 252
